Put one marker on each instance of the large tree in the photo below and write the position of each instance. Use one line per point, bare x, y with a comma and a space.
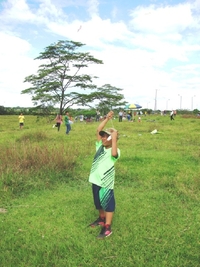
60, 76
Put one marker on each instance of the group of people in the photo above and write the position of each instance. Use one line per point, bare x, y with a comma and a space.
58, 119
130, 116
67, 121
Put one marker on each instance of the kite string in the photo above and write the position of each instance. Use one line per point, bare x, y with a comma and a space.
111, 120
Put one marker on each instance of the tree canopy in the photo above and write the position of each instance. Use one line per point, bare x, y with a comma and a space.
104, 98
60, 76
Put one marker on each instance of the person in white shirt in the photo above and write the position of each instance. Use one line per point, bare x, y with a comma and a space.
120, 116
172, 115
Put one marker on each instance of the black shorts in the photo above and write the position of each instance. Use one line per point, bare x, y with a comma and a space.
103, 198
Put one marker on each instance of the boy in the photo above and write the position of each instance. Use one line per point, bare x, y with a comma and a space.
21, 121
67, 123
102, 176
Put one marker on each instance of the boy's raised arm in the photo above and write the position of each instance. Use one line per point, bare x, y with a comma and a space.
103, 123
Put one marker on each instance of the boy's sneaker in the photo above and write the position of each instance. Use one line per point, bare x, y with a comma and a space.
99, 221
105, 232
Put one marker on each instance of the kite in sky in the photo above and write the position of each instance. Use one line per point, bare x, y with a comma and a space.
79, 28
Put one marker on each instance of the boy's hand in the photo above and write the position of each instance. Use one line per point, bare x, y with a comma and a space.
114, 134
110, 114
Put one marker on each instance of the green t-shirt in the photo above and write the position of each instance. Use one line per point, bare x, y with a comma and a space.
103, 171
66, 120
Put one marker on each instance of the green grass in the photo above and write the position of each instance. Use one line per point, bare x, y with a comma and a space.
45, 190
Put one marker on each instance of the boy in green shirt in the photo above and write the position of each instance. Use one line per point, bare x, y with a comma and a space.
67, 123
102, 176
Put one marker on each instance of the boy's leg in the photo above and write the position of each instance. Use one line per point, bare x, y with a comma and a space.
109, 217
101, 219
102, 213
67, 129
106, 229
108, 202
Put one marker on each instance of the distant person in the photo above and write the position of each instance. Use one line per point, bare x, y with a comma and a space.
128, 117
21, 121
120, 116
81, 118
102, 176
175, 113
133, 117
58, 120
71, 121
98, 115
67, 123
172, 115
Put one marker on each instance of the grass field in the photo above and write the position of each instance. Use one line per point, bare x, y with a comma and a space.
46, 201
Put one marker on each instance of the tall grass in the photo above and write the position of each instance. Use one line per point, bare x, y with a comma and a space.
45, 191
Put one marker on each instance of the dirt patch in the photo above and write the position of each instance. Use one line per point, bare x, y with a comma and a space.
2, 210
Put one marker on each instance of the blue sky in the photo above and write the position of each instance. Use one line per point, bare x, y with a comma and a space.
148, 48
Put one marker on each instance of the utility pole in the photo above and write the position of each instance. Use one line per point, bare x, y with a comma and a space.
167, 104
180, 101
155, 107
192, 102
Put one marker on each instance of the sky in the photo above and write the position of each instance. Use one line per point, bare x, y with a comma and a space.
150, 49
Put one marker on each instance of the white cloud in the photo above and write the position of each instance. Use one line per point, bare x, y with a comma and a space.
162, 20
16, 64
93, 7
17, 10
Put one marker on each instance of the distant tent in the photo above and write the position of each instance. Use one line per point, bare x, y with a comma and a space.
132, 106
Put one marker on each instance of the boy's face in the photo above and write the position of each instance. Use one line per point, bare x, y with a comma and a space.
105, 142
